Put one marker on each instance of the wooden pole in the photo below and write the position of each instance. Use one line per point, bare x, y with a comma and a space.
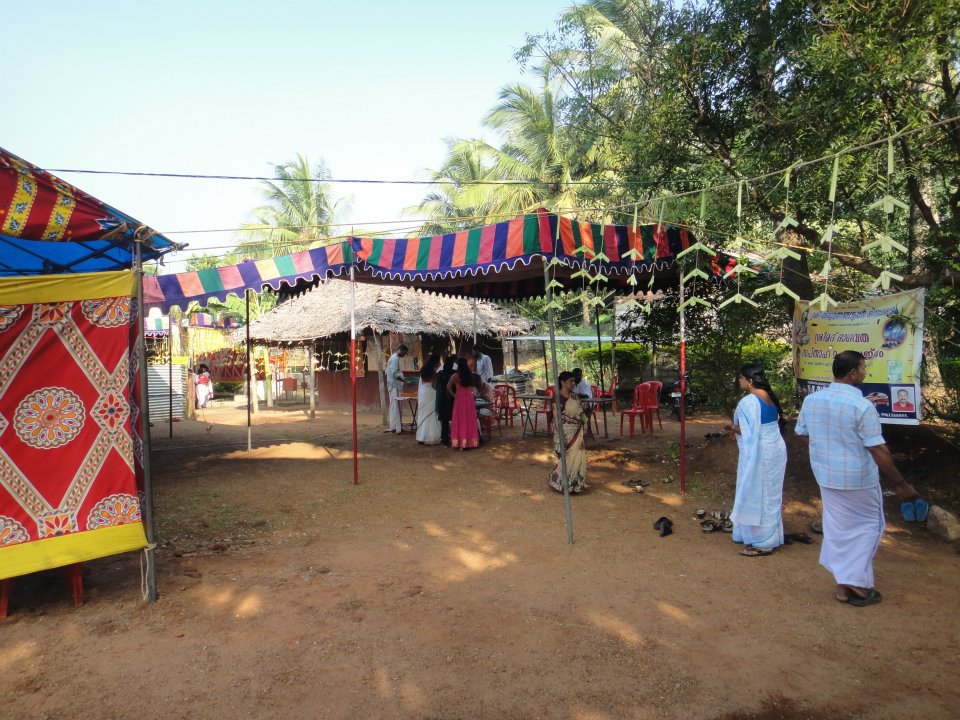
311, 382
600, 360
546, 370
378, 346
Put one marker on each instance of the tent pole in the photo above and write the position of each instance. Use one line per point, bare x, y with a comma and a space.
683, 395
546, 370
150, 588
250, 394
170, 369
474, 323
311, 382
557, 410
353, 369
380, 379
600, 360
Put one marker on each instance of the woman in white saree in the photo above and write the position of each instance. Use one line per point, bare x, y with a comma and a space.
428, 425
757, 508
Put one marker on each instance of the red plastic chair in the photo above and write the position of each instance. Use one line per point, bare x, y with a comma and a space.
636, 411
487, 422
547, 410
506, 402
652, 402
611, 392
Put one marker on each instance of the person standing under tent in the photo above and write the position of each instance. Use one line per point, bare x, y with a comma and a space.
444, 399
848, 454
464, 428
395, 387
572, 421
428, 427
757, 509
484, 365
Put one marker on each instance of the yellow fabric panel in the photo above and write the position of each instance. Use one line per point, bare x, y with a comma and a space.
61, 288
53, 552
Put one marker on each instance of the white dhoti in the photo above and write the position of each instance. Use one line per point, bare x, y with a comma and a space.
395, 410
852, 528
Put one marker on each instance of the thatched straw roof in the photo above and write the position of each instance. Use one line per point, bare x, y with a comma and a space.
325, 311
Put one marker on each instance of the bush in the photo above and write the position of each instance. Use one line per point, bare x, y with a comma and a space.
632, 360
227, 389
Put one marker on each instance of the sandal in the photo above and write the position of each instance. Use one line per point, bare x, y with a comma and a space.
709, 526
871, 598
726, 525
800, 537
664, 525
751, 551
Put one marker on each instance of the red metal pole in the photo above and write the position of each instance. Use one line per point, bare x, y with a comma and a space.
353, 372
683, 417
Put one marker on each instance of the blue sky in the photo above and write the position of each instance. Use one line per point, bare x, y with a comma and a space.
214, 87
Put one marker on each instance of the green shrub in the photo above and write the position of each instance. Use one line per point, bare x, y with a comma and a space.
632, 360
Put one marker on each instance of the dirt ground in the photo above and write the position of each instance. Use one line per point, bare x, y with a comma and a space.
442, 587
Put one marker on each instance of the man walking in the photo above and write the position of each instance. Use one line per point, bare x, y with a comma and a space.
395, 386
848, 454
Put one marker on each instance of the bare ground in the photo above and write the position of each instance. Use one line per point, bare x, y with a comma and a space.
442, 586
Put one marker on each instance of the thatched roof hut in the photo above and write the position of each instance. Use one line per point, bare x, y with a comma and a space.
324, 312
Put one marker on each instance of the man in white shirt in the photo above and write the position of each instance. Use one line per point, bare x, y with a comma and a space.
484, 365
394, 377
848, 454
582, 387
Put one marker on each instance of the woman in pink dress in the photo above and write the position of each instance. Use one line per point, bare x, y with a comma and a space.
464, 431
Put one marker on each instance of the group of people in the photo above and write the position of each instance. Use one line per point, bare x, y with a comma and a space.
451, 398
848, 455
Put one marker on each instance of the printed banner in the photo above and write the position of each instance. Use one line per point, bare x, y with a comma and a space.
68, 449
887, 330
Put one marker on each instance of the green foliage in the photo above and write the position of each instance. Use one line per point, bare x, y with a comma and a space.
632, 360
298, 212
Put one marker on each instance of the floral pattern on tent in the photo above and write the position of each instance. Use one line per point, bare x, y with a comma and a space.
70, 447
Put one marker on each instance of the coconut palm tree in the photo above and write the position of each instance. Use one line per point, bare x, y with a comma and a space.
539, 158
298, 213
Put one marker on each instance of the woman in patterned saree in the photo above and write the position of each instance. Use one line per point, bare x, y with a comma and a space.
572, 421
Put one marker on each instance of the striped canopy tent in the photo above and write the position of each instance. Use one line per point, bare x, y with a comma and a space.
500, 261
74, 444
505, 260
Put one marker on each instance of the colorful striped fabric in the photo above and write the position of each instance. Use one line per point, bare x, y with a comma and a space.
500, 247
48, 226
503, 260
202, 286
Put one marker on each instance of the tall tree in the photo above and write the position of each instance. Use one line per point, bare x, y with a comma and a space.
538, 159
298, 213
718, 91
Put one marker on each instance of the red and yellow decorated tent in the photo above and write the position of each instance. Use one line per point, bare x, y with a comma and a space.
72, 481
